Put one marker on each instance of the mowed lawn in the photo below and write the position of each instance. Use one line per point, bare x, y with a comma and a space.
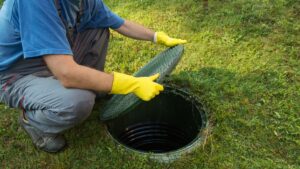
242, 60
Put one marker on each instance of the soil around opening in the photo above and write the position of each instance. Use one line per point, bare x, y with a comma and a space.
171, 121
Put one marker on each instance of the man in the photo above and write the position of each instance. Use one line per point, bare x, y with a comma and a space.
52, 55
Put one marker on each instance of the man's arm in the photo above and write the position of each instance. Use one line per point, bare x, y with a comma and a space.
136, 31
73, 75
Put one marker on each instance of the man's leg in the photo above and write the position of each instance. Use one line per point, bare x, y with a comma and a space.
49, 108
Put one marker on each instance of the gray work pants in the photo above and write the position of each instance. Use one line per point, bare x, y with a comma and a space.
48, 105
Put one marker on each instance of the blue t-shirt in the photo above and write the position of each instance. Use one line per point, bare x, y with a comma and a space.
32, 28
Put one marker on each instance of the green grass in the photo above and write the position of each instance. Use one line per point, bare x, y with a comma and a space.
242, 60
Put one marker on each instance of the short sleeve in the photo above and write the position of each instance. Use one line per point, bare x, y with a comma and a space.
41, 30
105, 18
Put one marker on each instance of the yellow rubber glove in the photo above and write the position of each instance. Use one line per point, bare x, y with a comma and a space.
163, 38
143, 87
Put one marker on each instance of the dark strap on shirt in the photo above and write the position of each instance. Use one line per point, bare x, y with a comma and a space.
70, 29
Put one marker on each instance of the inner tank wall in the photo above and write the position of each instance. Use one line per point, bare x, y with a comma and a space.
175, 109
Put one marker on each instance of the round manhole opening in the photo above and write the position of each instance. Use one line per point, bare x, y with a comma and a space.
164, 128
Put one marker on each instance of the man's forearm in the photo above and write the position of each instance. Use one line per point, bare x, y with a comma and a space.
136, 31
83, 77
72, 75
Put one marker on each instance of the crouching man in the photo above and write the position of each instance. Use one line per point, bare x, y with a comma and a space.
52, 56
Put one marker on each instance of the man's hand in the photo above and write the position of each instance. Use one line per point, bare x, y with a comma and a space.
143, 87
163, 38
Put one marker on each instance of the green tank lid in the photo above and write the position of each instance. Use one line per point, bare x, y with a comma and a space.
163, 63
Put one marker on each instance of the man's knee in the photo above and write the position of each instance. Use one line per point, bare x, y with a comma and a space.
77, 105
